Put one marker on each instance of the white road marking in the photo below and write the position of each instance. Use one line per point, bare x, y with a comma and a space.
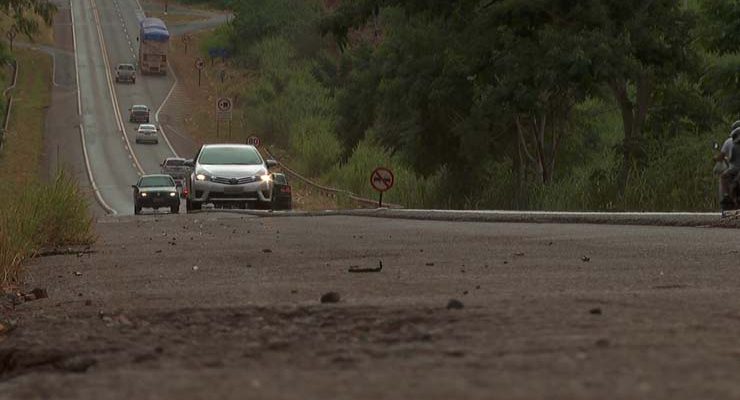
88, 168
111, 88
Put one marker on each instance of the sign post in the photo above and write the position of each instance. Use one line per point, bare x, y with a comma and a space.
199, 65
11, 36
382, 180
223, 111
186, 40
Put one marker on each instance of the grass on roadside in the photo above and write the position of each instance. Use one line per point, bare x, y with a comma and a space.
34, 214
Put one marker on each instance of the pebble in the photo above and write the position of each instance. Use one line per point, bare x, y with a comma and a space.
330, 297
455, 304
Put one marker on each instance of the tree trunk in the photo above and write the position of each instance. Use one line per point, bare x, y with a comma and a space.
634, 114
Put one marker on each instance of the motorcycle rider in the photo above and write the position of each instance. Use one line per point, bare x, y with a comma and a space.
730, 153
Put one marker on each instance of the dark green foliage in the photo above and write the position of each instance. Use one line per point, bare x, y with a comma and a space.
601, 104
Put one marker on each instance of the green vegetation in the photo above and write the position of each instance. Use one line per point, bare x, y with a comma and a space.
34, 214
598, 105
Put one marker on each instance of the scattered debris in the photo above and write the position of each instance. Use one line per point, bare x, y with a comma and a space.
29, 297
78, 273
549, 244
477, 287
293, 291
78, 364
158, 251
595, 311
585, 259
674, 286
88, 302
195, 267
519, 254
40, 293
330, 297
266, 251
602, 343
455, 304
6, 326
355, 268
465, 292
430, 264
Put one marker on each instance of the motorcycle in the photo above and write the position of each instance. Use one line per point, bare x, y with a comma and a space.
720, 165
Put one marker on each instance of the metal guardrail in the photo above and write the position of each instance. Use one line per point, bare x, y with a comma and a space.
327, 190
8, 104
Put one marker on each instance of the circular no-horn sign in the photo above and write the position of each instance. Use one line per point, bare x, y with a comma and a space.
223, 104
200, 64
254, 141
382, 179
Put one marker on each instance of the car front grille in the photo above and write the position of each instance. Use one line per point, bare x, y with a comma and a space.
235, 196
234, 181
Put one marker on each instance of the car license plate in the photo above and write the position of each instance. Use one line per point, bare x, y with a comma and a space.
232, 189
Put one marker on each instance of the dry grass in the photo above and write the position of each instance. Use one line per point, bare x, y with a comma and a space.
34, 214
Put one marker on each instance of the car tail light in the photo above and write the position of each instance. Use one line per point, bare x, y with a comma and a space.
285, 189
185, 191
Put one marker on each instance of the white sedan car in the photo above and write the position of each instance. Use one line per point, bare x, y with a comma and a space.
147, 133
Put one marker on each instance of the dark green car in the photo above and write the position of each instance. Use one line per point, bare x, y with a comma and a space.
156, 191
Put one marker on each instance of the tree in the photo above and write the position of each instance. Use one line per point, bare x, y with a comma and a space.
23, 11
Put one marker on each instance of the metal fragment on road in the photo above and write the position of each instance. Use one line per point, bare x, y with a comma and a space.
355, 268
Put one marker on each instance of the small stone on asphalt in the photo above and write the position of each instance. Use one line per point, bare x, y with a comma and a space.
595, 311
455, 304
330, 297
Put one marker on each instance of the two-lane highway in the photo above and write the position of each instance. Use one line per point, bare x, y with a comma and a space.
112, 168
105, 34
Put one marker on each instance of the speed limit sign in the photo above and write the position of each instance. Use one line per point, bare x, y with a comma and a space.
224, 104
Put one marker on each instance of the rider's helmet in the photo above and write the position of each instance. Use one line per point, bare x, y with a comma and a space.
735, 125
735, 135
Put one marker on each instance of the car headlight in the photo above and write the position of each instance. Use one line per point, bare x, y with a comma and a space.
266, 178
173, 194
143, 194
201, 177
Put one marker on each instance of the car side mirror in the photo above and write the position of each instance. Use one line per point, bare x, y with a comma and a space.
271, 163
134, 186
189, 163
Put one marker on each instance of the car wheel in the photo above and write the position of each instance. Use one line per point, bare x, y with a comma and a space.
175, 209
133, 81
137, 209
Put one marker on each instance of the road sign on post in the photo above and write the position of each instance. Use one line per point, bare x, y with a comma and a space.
186, 40
254, 141
224, 106
11, 34
199, 65
382, 180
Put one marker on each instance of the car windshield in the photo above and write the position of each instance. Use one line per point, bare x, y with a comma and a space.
126, 67
229, 155
156, 181
139, 109
174, 163
147, 127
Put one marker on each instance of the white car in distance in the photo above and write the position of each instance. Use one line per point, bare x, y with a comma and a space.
147, 133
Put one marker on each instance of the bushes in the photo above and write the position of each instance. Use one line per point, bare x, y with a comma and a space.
41, 215
410, 189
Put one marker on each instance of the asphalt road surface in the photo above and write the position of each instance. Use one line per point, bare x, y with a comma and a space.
219, 305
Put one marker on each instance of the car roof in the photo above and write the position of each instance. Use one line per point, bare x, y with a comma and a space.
155, 176
229, 145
